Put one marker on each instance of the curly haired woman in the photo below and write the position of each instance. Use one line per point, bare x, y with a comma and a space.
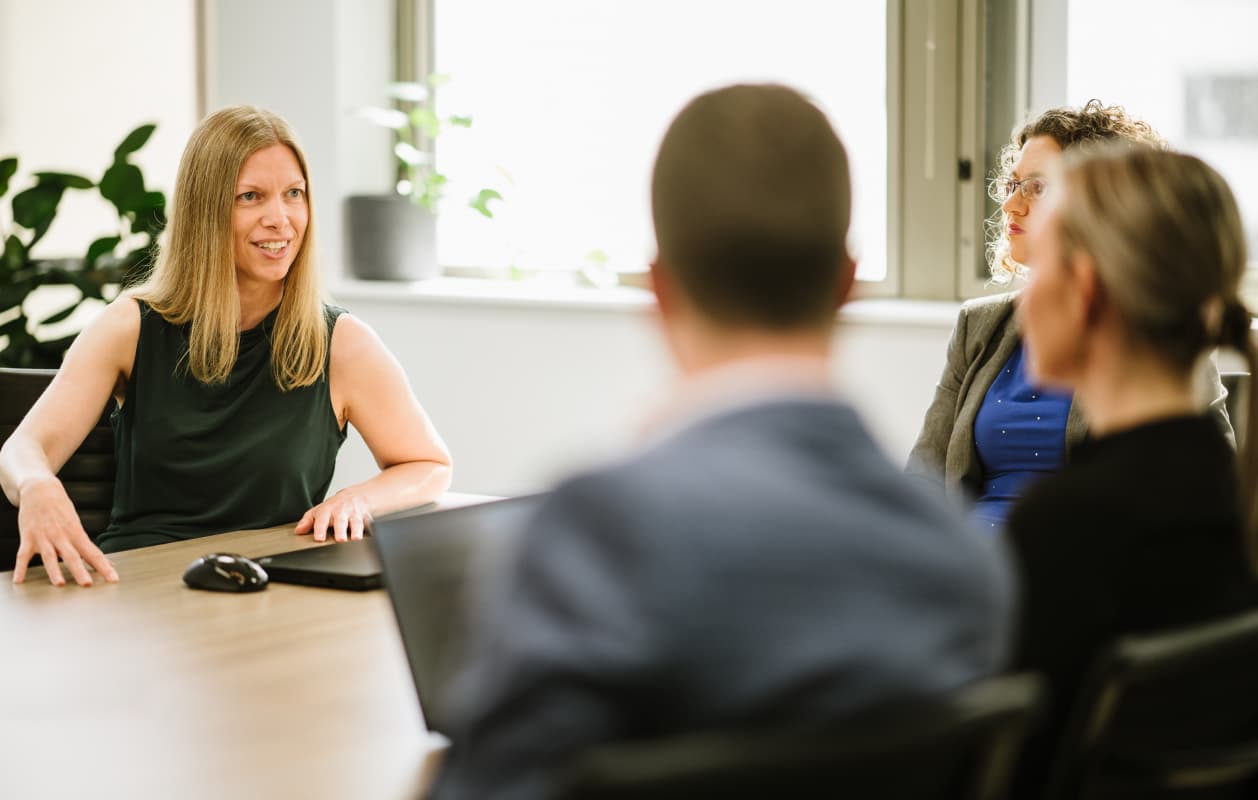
989, 434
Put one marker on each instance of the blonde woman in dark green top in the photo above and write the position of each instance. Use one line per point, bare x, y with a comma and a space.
234, 381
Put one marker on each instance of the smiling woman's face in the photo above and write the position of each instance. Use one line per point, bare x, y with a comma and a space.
1038, 157
269, 215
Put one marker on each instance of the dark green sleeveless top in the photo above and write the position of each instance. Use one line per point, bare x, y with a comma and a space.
195, 460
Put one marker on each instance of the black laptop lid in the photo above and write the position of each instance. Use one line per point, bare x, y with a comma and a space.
428, 560
344, 565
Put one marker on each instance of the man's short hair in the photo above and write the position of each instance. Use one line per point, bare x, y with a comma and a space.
751, 201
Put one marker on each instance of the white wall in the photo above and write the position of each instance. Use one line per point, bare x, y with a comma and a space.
524, 393
75, 78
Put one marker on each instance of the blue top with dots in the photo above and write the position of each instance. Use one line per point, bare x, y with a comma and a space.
1020, 436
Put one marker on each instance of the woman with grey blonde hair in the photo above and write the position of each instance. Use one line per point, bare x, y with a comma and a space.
1138, 261
988, 433
234, 381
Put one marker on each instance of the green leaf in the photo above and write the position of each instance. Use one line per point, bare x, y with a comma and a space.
150, 216
12, 295
61, 315
8, 168
14, 327
36, 207
134, 141
14, 253
426, 122
65, 179
100, 247
123, 185
481, 201
460, 122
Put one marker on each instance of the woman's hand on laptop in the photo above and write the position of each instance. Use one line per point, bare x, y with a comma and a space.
345, 514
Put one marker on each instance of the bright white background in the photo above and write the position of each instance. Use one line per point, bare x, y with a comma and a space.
570, 99
1142, 53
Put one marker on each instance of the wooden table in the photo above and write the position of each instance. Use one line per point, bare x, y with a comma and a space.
148, 689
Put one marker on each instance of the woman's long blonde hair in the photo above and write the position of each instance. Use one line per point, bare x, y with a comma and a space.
1091, 125
194, 279
1167, 239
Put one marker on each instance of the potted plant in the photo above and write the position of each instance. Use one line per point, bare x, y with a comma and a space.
394, 236
141, 218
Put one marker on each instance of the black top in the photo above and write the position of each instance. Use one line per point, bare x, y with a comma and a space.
1141, 531
195, 460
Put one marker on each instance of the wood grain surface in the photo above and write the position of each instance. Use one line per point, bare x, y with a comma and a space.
148, 689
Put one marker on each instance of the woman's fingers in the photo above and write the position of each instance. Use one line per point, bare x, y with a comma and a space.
103, 566
49, 553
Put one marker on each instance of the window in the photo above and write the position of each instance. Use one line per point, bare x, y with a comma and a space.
570, 99
1192, 73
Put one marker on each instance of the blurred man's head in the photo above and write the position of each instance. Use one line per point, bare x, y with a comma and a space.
751, 201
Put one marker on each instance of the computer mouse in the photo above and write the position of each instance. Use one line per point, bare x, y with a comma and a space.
225, 572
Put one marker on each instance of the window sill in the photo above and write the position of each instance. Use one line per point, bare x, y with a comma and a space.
559, 294
535, 293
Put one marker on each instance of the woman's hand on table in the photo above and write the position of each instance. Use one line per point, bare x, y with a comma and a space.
50, 528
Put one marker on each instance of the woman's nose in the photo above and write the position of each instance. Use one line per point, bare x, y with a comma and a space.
1015, 203
274, 215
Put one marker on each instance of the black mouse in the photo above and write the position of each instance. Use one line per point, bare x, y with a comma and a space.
225, 572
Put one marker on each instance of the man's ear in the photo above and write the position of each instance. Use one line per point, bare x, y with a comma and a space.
662, 287
847, 280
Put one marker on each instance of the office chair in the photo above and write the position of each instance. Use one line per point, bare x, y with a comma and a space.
962, 746
1237, 385
1168, 715
88, 475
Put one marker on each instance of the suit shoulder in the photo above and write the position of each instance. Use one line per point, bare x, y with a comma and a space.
990, 305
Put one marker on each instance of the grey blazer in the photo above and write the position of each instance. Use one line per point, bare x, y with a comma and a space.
765, 565
985, 336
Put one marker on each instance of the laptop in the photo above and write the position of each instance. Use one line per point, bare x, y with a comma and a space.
351, 565
430, 563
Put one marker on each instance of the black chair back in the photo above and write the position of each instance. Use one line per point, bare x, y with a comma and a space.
962, 746
1166, 715
88, 475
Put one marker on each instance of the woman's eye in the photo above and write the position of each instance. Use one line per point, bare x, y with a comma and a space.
247, 196
296, 193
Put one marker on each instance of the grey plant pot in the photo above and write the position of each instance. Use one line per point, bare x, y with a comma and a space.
391, 239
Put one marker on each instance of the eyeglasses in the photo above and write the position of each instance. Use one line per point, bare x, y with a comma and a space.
1001, 189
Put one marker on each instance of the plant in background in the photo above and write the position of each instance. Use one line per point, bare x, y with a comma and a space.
416, 125
141, 218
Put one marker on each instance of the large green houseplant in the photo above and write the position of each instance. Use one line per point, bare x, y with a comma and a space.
116, 257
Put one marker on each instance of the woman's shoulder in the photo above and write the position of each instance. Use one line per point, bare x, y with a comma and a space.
351, 337
122, 316
990, 305
981, 318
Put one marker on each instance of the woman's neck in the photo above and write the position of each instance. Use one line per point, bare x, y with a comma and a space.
256, 302
1123, 389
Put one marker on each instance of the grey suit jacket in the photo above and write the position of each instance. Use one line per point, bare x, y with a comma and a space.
765, 565
985, 336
